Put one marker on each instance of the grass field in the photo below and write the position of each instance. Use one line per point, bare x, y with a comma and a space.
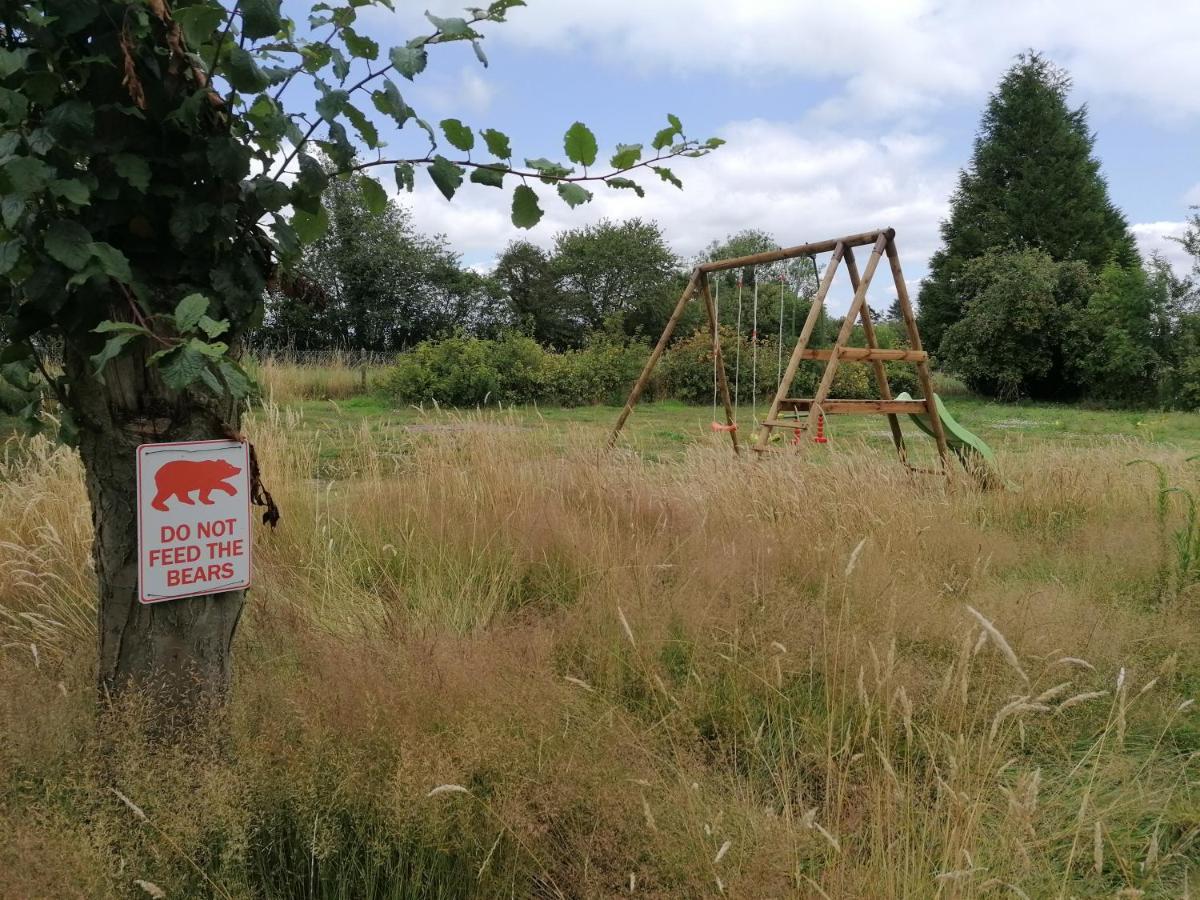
484, 658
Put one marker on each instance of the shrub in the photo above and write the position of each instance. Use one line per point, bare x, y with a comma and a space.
462, 371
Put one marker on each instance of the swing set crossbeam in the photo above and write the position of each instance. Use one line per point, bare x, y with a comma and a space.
883, 244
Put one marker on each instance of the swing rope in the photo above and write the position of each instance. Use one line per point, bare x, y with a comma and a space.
716, 325
737, 358
779, 362
754, 353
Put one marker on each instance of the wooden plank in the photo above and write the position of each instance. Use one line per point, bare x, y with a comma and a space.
868, 354
719, 363
810, 322
914, 340
755, 259
856, 407
644, 378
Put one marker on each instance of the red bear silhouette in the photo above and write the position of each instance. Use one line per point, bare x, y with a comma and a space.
182, 476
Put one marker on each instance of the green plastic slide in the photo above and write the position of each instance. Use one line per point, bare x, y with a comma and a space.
974, 454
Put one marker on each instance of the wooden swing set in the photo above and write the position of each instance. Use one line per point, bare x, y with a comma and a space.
806, 410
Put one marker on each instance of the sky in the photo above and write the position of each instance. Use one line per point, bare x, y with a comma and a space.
838, 118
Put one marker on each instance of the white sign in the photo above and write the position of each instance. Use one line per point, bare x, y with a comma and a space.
193, 503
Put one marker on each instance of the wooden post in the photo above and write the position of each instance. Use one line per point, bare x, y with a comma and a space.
719, 360
885, 389
644, 378
860, 294
914, 340
810, 322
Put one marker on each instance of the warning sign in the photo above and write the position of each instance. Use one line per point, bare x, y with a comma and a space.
193, 502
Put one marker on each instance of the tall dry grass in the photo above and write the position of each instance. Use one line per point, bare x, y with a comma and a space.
475, 664
333, 377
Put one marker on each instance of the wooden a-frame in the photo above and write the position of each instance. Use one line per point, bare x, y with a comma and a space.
882, 242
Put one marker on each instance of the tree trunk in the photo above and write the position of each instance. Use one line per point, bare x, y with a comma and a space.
180, 651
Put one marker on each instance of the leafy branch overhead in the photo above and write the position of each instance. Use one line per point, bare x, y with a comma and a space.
167, 172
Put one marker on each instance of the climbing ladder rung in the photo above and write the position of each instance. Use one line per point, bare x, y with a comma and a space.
855, 407
867, 354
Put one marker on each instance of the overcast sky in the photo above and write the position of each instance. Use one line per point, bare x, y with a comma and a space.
839, 118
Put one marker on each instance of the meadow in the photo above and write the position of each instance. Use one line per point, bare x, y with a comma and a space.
485, 657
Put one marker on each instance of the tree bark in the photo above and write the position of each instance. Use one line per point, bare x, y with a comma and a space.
178, 651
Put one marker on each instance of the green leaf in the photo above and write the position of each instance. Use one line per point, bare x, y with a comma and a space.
409, 61
550, 171
479, 54
13, 106
71, 190
664, 138
10, 253
488, 176
459, 135
260, 18
112, 349
359, 46
364, 126
112, 261
454, 28
497, 143
310, 227
13, 61
313, 176
182, 366
273, 195
213, 327
627, 183
26, 175
389, 102
626, 155
12, 207
404, 177
580, 144
573, 194
331, 103
188, 312
236, 380
668, 176
199, 22
114, 327
446, 175
374, 196
71, 121
241, 71
69, 243
525, 210
133, 169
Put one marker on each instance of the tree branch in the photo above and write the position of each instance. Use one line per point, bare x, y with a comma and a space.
435, 38
680, 150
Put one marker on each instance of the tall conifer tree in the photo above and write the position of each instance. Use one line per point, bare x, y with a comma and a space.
1032, 182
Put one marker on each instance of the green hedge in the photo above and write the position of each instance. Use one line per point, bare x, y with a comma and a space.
463, 371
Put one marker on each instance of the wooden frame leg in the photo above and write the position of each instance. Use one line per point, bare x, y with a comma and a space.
885, 389
810, 322
644, 378
860, 295
914, 340
719, 364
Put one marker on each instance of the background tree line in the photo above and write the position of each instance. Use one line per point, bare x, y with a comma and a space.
1038, 289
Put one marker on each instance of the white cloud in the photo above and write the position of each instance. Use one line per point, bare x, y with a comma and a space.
1192, 197
799, 187
892, 58
464, 92
1156, 237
